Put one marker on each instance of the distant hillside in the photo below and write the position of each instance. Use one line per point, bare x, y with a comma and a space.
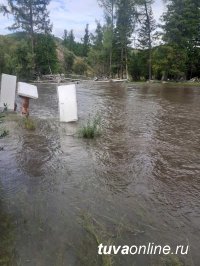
67, 60
16, 35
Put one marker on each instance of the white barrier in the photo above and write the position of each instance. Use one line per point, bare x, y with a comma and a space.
27, 90
67, 103
8, 89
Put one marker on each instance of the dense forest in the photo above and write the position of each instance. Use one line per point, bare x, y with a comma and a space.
130, 44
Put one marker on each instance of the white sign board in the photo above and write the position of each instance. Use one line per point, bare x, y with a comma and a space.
27, 90
67, 103
8, 89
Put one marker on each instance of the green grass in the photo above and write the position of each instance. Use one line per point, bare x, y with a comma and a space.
95, 236
7, 236
5, 109
171, 260
3, 133
29, 124
91, 129
2, 116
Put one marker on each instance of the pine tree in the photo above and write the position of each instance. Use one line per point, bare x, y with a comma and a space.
109, 10
86, 41
45, 54
65, 38
124, 28
146, 30
71, 41
30, 16
98, 56
182, 31
182, 25
97, 38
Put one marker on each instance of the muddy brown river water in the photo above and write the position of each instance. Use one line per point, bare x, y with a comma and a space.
138, 183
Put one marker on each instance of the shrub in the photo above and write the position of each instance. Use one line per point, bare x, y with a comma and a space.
3, 133
5, 109
91, 129
79, 67
29, 124
68, 61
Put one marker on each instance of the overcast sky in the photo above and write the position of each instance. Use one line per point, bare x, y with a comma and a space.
74, 14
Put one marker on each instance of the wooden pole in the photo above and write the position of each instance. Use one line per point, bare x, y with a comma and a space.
25, 106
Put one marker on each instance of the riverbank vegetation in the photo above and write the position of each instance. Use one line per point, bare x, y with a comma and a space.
129, 44
3, 131
28, 123
7, 252
91, 129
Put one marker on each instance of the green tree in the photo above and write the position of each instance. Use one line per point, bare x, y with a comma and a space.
15, 56
109, 7
97, 38
86, 41
146, 33
79, 67
71, 41
65, 38
78, 49
68, 61
99, 54
108, 49
169, 62
23, 59
5, 49
182, 31
124, 28
96, 53
30, 16
45, 54
135, 65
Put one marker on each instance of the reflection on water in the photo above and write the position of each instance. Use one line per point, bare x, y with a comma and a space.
7, 251
138, 183
37, 152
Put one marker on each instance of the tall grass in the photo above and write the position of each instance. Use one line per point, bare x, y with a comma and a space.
28, 123
5, 108
3, 133
1, 117
91, 129
96, 236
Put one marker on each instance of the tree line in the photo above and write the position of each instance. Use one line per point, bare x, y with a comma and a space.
129, 44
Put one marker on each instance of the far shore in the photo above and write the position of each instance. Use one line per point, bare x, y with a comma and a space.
171, 83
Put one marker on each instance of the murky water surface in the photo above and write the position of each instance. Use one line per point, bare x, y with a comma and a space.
138, 183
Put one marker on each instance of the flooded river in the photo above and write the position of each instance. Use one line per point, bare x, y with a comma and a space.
138, 183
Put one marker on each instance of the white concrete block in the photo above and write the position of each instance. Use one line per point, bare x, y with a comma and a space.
67, 103
27, 90
8, 89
